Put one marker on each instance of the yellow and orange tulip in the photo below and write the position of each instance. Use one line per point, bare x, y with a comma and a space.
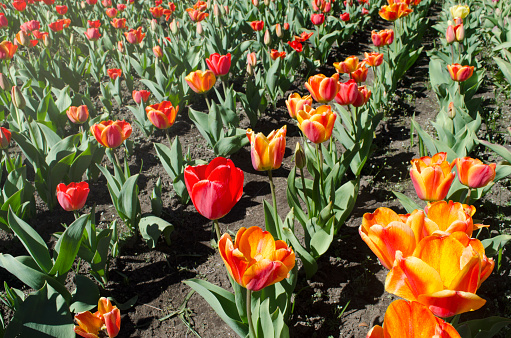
394, 11
255, 260
443, 273
267, 152
162, 115
323, 89
201, 82
411, 320
474, 173
460, 73
432, 176
295, 102
111, 134
448, 217
108, 317
349, 65
317, 124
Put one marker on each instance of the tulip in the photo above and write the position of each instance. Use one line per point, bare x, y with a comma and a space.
460, 11
19, 5
345, 17
363, 96
443, 273
92, 34
382, 38
473, 173
295, 102
114, 73
23, 39
317, 124
214, 188
219, 64
134, 35
432, 177
303, 37
348, 93
111, 134
7, 50
17, 98
385, 232
162, 115
196, 15
460, 73
448, 217
373, 59
365, 11
120, 47
323, 89
278, 30
111, 12
300, 158
201, 82
61, 9
78, 115
317, 19
118, 23
286, 26
94, 23
91, 2
394, 11
411, 320
257, 25
275, 54
140, 95
349, 65
106, 3
255, 260
251, 62
267, 152
5, 84
59, 25
5, 138
121, 7
30, 26
3, 21
157, 51
360, 74
297, 46
73, 196
107, 316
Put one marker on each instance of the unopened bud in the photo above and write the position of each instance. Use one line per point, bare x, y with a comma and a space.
47, 41
71, 39
266, 2
300, 159
216, 11
173, 27
449, 34
460, 33
250, 70
17, 98
154, 25
278, 30
451, 111
267, 37
23, 38
120, 47
509, 130
83, 5
157, 51
199, 28
5, 84
255, 3
225, 10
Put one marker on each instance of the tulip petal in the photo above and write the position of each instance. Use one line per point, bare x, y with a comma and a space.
409, 319
264, 273
447, 303
209, 199
396, 236
256, 242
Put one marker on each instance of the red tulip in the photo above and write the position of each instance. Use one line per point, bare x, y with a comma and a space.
111, 12
140, 95
59, 25
297, 46
363, 96
134, 35
7, 50
19, 5
214, 188
61, 9
382, 38
94, 24
257, 25
78, 115
5, 138
92, 34
348, 93
275, 54
345, 17
73, 196
219, 64
114, 73
317, 19
118, 23
30, 26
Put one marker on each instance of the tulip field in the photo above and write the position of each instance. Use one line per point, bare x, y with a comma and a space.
256, 168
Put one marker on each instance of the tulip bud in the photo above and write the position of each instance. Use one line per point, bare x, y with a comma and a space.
449, 34
5, 138
266, 2
267, 37
216, 10
460, 33
300, 159
278, 30
225, 10
5, 84
120, 47
173, 27
17, 98
255, 3
23, 38
458, 21
71, 39
158, 53
451, 111
82, 4
154, 25
199, 28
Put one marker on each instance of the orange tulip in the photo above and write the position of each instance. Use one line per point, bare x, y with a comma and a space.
267, 152
257, 25
386, 232
460, 73
443, 273
295, 103
196, 15
363, 97
111, 134
118, 23
107, 317
114, 73
473, 173
382, 38
134, 35
349, 65
201, 82
317, 124
323, 89
432, 177
360, 74
373, 59
255, 260
162, 115
275, 54
411, 320
394, 11
79, 114
7, 50
448, 217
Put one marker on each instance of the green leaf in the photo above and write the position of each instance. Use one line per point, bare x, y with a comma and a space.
309, 263
266, 323
151, 227
222, 301
128, 198
31, 240
85, 296
500, 150
43, 314
68, 245
493, 245
406, 202
482, 328
322, 239
229, 145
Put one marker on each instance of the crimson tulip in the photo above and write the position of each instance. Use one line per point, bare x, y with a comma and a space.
215, 187
219, 64
140, 95
5, 138
61, 9
114, 73
348, 94
73, 196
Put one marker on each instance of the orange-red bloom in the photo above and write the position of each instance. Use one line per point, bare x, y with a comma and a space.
460, 73
118, 23
134, 35
297, 46
73, 196
19, 5
411, 320
219, 64
295, 103
363, 97
448, 217
196, 15
114, 73
78, 114
162, 115
111, 12
94, 23
257, 25
432, 176
61, 9
92, 34
382, 38
7, 50
201, 82
348, 93
267, 152
323, 89
275, 54
107, 317
474, 173
349, 65
111, 134
394, 11
59, 25
140, 95
443, 273
5, 138
256, 260
360, 74
373, 59
317, 124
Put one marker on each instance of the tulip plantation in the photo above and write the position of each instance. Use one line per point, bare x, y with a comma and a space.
256, 168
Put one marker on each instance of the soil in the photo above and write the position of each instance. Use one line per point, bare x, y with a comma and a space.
349, 275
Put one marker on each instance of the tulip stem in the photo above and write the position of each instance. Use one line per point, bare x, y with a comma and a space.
305, 192
469, 192
251, 331
77, 215
117, 160
274, 199
167, 131
207, 102
320, 163
452, 53
217, 230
